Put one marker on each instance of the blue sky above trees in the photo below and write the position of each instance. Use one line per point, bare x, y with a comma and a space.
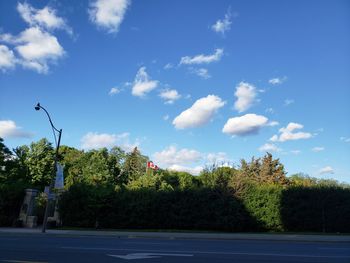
188, 82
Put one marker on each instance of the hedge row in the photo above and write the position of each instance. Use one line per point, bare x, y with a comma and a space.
262, 208
11, 198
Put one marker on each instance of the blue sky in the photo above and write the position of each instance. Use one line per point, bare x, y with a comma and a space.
188, 82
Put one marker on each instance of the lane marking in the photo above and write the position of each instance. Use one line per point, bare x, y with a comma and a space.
22, 261
206, 252
148, 255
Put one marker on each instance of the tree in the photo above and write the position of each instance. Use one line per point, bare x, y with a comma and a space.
135, 164
272, 171
39, 159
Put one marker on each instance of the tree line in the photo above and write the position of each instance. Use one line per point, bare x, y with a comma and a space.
111, 189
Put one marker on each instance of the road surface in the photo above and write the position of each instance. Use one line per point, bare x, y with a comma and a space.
50, 248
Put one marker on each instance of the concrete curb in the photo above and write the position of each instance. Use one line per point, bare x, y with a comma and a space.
179, 235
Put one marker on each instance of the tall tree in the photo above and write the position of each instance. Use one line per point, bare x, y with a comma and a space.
135, 164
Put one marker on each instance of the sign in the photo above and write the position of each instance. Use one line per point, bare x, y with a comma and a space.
59, 181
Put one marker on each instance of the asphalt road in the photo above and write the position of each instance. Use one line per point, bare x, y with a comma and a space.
51, 248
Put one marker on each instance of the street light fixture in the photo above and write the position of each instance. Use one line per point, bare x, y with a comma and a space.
57, 142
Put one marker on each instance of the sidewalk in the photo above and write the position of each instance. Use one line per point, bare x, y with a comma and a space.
180, 235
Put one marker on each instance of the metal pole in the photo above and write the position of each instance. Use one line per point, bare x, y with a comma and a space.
51, 184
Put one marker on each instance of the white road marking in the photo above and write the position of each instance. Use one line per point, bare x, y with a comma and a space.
206, 252
148, 255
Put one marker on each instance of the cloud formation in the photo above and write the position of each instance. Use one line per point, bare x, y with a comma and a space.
94, 140
202, 59
245, 125
223, 25
172, 156
169, 95
245, 94
288, 133
277, 81
269, 147
201, 72
108, 14
317, 149
9, 129
200, 113
114, 91
142, 83
7, 58
326, 170
36, 47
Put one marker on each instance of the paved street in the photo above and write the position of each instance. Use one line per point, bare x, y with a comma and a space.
79, 248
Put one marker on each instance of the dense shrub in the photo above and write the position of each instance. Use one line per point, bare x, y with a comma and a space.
11, 197
320, 209
202, 209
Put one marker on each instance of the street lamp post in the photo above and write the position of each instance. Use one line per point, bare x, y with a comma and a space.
57, 142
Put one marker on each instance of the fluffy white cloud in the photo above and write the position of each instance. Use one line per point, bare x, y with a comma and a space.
142, 83
9, 129
326, 170
170, 95
245, 125
94, 140
168, 66
7, 58
35, 47
201, 72
317, 149
246, 94
200, 113
180, 168
269, 147
222, 25
288, 133
172, 156
108, 14
114, 91
203, 59
45, 18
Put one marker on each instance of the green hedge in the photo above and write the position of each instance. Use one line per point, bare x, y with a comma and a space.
11, 197
261, 207
203, 209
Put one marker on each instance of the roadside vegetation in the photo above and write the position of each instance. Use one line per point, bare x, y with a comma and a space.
111, 189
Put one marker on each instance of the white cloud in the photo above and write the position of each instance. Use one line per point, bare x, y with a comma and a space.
219, 158
94, 140
246, 94
221, 26
168, 66
201, 72
288, 133
345, 139
170, 95
44, 18
172, 156
142, 83
7, 58
108, 14
317, 149
277, 81
114, 91
9, 129
191, 170
245, 125
326, 170
287, 102
269, 147
37, 48
273, 123
200, 113
203, 59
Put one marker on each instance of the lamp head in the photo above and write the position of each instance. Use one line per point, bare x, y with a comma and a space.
37, 107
